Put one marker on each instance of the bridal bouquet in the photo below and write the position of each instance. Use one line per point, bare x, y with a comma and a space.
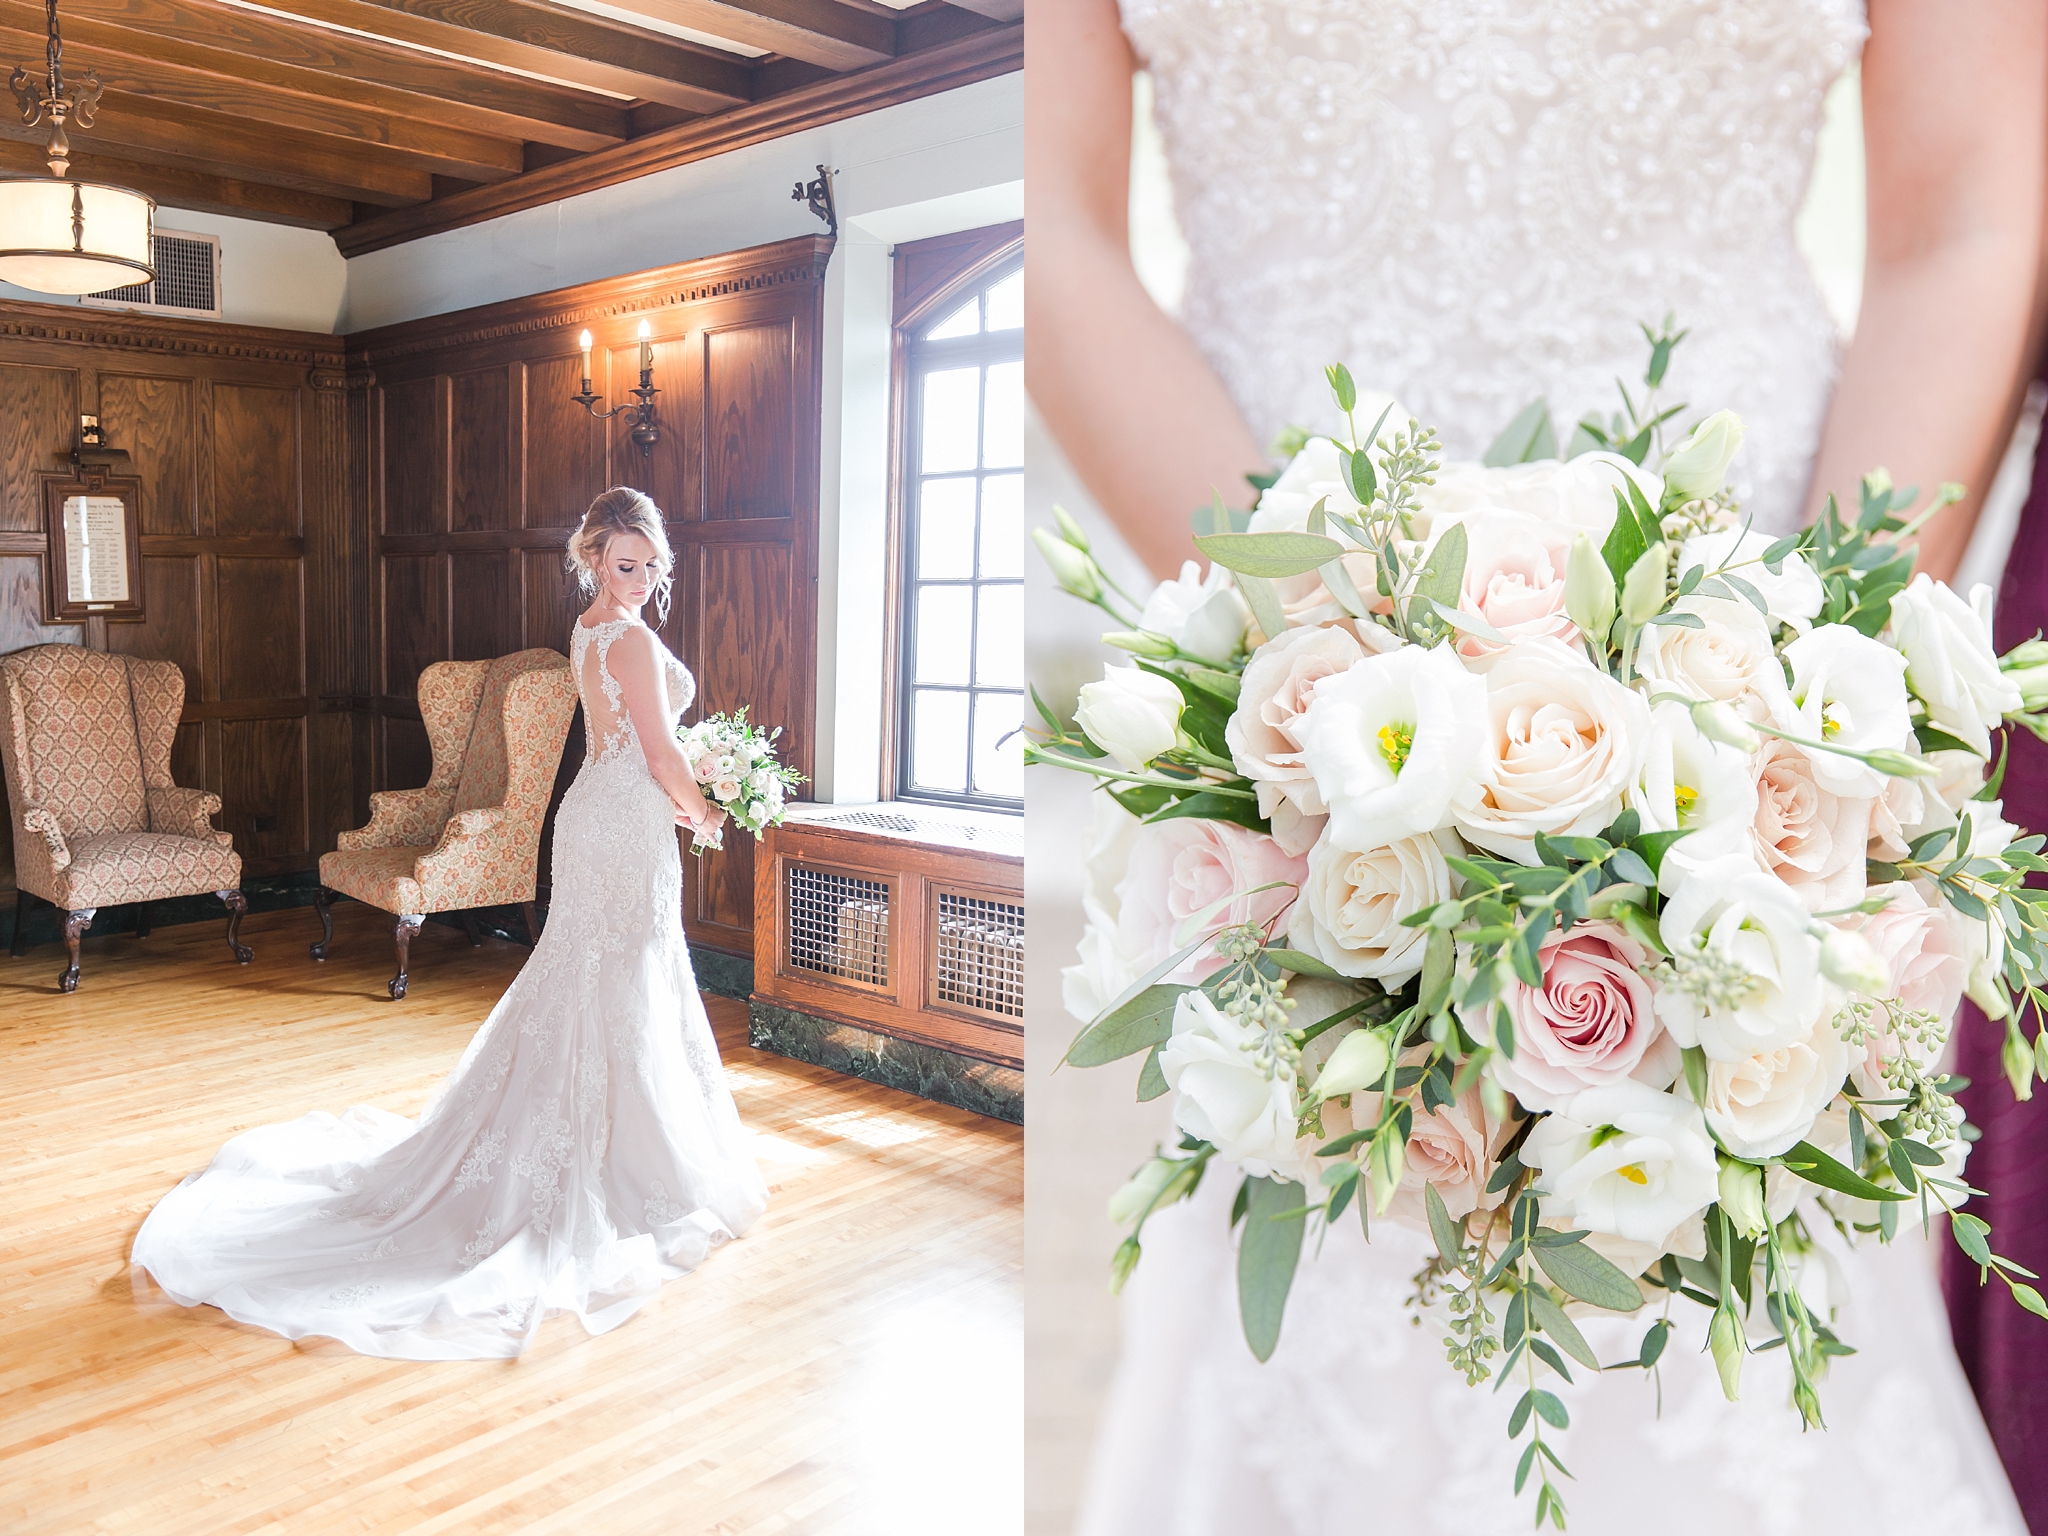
1531, 852
734, 765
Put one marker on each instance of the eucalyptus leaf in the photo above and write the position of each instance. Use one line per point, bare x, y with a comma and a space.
1551, 1318
1578, 1270
1816, 1167
1529, 436
1303, 965
1442, 1228
1137, 1025
1266, 1259
1442, 576
1269, 555
1152, 1083
1264, 602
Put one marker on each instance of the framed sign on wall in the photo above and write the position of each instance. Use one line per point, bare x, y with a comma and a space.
94, 567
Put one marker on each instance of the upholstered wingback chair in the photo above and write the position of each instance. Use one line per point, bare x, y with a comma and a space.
471, 837
86, 745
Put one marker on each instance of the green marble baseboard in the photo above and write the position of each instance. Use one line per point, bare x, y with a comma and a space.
727, 975
945, 1077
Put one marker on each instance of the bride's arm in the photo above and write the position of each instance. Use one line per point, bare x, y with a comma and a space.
635, 662
1143, 419
1955, 136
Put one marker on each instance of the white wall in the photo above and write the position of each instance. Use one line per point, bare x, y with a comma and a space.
270, 274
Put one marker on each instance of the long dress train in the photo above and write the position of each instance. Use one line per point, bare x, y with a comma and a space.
584, 1149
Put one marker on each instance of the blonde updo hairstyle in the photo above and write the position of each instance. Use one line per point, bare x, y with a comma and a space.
620, 510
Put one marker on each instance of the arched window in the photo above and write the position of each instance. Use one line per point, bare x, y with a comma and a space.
960, 691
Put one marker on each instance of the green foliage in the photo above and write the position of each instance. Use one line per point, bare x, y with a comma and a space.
1266, 1259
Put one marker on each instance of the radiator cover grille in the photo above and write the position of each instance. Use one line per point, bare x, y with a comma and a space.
837, 925
978, 954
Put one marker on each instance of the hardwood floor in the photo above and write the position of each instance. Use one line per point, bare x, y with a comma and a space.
853, 1366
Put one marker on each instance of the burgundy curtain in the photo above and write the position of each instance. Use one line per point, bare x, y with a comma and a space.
2003, 1349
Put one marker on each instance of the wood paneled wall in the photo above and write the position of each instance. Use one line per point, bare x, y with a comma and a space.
238, 436
476, 466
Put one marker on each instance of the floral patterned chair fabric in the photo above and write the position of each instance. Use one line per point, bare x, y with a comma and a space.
471, 837
86, 747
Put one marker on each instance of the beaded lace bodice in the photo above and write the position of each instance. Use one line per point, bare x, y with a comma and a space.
1471, 202
608, 726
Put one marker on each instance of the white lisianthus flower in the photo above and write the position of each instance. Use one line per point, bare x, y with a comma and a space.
1248, 1111
1573, 494
1850, 691
1698, 466
1349, 914
1760, 1105
1730, 660
1265, 731
1203, 615
1792, 597
1563, 746
1625, 1160
1107, 964
1690, 783
1394, 744
1748, 972
1950, 664
1132, 714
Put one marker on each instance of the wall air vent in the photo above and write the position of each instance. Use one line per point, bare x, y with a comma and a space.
187, 281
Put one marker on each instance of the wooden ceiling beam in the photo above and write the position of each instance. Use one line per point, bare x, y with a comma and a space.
159, 74
294, 56
550, 42
816, 31
154, 133
173, 187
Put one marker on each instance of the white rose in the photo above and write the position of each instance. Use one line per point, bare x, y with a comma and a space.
1950, 664
1731, 659
1748, 971
1759, 1106
1850, 691
1570, 494
1793, 596
1689, 782
1247, 1112
1394, 744
1106, 966
1132, 714
1698, 466
1265, 731
1351, 906
1624, 1160
1203, 615
1564, 745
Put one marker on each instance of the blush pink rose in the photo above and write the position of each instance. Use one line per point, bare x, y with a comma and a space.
1807, 835
1514, 579
1591, 1023
1179, 868
1917, 943
1456, 1147
1273, 696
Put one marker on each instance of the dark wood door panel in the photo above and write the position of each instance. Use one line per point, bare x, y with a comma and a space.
188, 756
152, 418
171, 628
563, 445
415, 621
484, 605
405, 755
261, 604
255, 443
263, 791
750, 439
38, 421
21, 607
479, 450
552, 601
415, 457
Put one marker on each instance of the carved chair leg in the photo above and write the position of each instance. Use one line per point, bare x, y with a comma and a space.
75, 924
142, 919
237, 904
469, 927
323, 903
21, 903
532, 923
407, 925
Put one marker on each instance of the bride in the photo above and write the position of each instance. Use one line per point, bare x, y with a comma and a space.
1473, 203
585, 1148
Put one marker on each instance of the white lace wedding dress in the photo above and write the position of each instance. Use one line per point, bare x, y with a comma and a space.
1472, 202
584, 1149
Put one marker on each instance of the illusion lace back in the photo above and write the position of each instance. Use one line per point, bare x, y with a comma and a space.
1473, 202
584, 1149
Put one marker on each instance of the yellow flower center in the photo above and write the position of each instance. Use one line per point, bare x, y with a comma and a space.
1633, 1172
1684, 796
1396, 741
1830, 727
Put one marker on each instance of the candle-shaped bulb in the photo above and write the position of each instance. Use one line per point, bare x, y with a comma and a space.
583, 341
646, 347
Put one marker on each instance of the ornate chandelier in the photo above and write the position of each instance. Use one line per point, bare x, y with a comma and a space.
59, 234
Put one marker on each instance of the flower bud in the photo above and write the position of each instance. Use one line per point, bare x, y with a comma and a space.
1726, 1340
2019, 1063
1698, 465
1142, 642
1901, 765
1142, 1191
1069, 529
1072, 568
1588, 589
1642, 590
1742, 1196
1132, 714
2027, 665
1717, 722
1878, 482
1359, 1062
1847, 959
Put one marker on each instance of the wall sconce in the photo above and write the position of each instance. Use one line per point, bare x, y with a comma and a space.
641, 412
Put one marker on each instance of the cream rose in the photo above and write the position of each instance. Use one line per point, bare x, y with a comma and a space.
1928, 970
1761, 1104
1265, 731
1950, 664
1730, 658
1564, 745
1624, 1160
1804, 833
1748, 971
1394, 744
1352, 903
1792, 597
1591, 1023
1202, 615
1227, 1098
1185, 866
1850, 691
1132, 714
